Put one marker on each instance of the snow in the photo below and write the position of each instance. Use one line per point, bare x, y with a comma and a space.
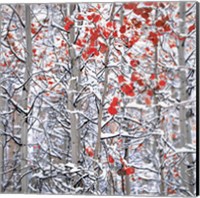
136, 135
74, 170
136, 106
109, 135
184, 150
70, 165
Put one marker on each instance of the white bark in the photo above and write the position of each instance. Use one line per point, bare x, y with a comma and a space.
75, 136
26, 89
1, 148
1, 126
158, 114
127, 178
184, 124
106, 61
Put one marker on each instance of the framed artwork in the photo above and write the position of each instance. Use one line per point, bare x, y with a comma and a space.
99, 98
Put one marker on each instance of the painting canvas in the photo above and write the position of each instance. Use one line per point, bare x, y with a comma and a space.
99, 98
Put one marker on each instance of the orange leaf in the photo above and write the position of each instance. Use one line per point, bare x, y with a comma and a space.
127, 89
171, 191
123, 29
89, 151
134, 63
133, 40
10, 35
66, 19
150, 92
33, 30
145, 15
191, 28
148, 101
130, 170
90, 17
167, 28
176, 174
137, 23
91, 50
162, 83
34, 50
110, 159
139, 11
41, 77
160, 23
153, 37
94, 34
148, 3
68, 25
121, 79
79, 43
130, 6
106, 34
50, 82
153, 76
114, 102
135, 77
115, 34
80, 17
112, 110
109, 24
103, 47
96, 18
140, 145
140, 82
174, 136
122, 161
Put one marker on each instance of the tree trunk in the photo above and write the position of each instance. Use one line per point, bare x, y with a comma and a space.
73, 87
2, 142
186, 137
127, 178
3, 108
158, 138
106, 61
26, 89
1, 126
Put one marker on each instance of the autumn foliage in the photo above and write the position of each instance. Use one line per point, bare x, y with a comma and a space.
89, 151
112, 109
119, 78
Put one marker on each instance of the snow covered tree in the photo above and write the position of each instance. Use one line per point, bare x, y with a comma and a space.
98, 98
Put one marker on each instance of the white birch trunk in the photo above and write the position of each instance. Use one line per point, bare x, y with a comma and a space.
75, 136
157, 113
186, 137
106, 61
158, 110
1, 126
26, 89
127, 178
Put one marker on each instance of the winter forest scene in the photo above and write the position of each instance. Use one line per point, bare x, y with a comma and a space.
98, 98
